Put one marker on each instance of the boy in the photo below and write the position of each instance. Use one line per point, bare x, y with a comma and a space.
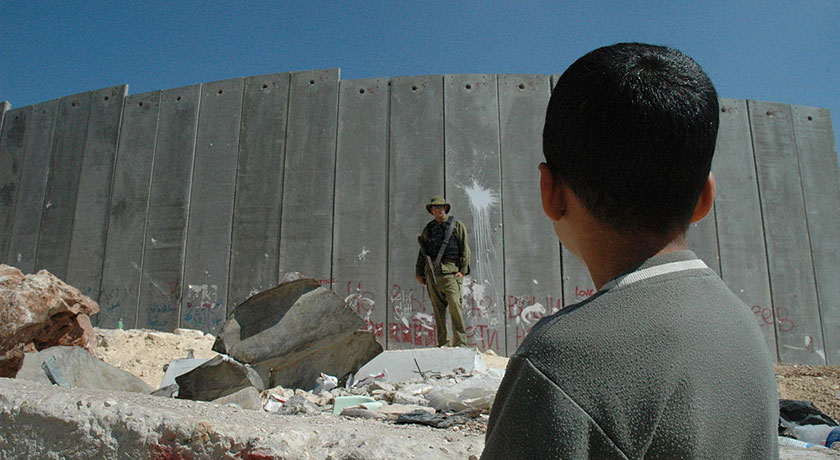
663, 362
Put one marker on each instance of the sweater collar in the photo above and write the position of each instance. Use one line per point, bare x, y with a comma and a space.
655, 266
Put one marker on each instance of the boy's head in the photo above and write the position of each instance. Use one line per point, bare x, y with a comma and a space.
630, 129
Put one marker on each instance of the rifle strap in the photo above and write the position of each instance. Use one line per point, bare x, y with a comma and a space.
449, 229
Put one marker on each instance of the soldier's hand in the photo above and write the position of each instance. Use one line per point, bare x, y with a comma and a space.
458, 275
421, 280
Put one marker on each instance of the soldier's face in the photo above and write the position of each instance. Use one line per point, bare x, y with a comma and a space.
439, 212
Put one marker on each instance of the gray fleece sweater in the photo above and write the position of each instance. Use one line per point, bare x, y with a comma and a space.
668, 364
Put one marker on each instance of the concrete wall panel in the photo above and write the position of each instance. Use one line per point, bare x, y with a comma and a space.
415, 175
702, 239
59, 212
792, 284
128, 210
217, 196
87, 244
33, 185
309, 181
533, 284
259, 187
474, 187
360, 235
743, 258
166, 224
207, 254
820, 175
12, 151
5, 106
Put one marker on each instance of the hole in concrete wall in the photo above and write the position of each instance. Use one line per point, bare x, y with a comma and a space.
723, 109
361, 91
414, 88
522, 86
469, 86
178, 98
265, 86
311, 82
140, 104
106, 98
220, 92
810, 118
73, 104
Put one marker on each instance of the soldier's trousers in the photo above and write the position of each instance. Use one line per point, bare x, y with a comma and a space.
445, 293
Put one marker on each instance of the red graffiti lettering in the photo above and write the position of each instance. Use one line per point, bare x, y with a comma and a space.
415, 333
482, 336
766, 318
585, 292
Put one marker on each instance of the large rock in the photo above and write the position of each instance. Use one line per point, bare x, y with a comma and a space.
299, 330
217, 378
79, 369
37, 312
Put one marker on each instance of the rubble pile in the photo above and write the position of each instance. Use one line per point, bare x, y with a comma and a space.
297, 330
279, 387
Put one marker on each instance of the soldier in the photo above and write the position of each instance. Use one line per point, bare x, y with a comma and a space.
443, 261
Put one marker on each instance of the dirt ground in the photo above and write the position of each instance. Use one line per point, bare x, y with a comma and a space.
818, 384
144, 353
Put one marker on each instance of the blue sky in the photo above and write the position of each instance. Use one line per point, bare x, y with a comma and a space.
773, 50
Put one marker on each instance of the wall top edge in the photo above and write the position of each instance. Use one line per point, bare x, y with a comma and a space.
763, 102
6, 105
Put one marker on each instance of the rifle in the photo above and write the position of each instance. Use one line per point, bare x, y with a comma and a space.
428, 259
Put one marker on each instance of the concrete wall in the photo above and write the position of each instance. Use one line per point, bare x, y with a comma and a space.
171, 207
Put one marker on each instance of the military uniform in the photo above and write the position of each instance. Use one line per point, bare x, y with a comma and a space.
445, 289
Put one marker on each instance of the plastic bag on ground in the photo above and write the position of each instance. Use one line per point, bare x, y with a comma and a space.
325, 383
477, 392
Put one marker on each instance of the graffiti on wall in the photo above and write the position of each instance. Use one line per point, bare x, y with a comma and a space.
363, 302
203, 308
411, 319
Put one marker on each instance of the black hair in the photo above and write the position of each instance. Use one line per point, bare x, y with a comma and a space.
631, 128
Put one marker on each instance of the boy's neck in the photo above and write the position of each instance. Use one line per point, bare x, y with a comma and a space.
610, 254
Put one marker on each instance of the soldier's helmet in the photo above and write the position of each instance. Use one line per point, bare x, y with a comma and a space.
438, 200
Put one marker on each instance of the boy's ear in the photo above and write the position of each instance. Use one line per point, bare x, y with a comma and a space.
551, 192
706, 199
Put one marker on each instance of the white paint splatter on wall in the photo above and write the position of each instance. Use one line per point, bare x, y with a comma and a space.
481, 292
363, 255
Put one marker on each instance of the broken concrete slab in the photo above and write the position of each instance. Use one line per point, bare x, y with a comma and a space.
40, 421
79, 369
246, 398
38, 311
405, 365
395, 410
178, 367
299, 330
218, 377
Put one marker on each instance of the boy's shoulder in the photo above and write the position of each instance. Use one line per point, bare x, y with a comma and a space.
634, 300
